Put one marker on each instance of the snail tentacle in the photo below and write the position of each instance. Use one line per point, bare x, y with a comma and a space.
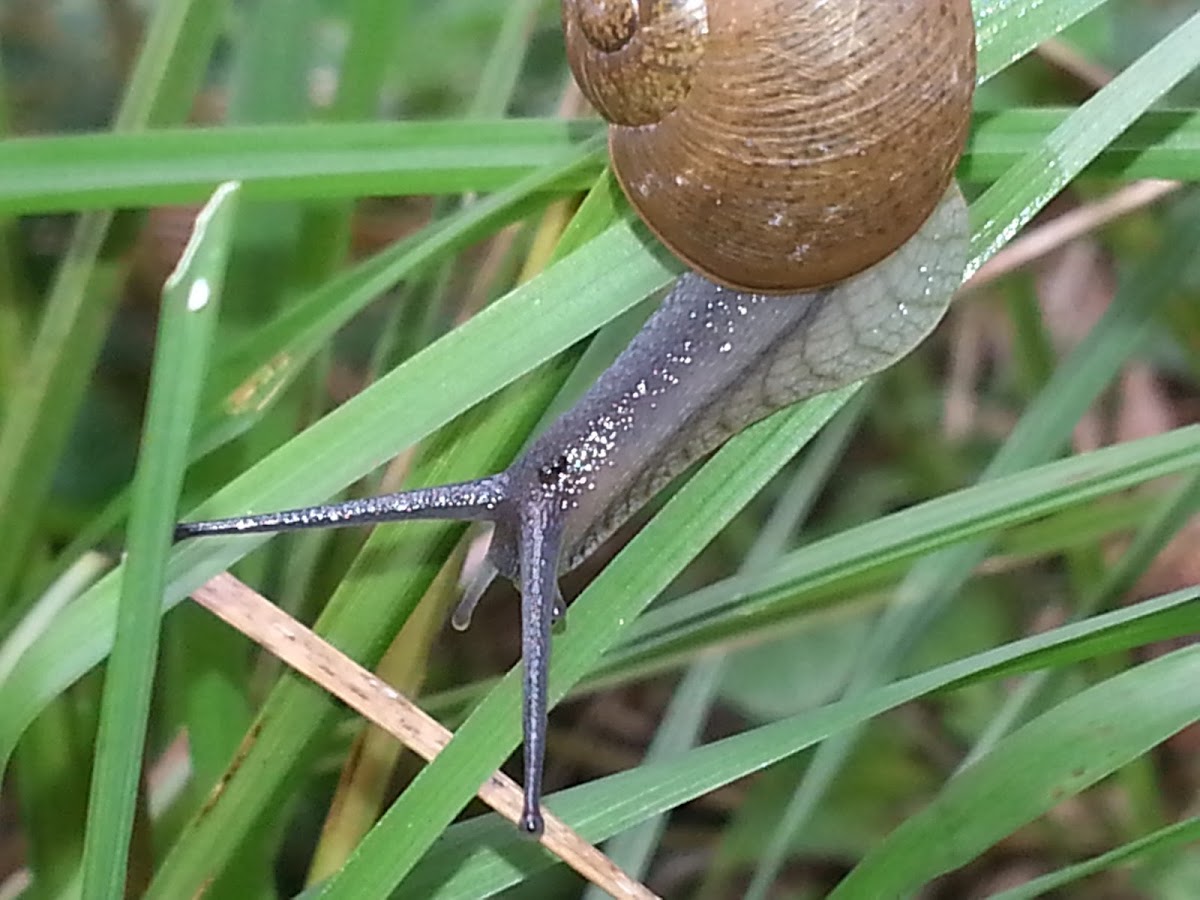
541, 546
480, 500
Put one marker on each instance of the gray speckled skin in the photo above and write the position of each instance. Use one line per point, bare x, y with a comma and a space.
708, 363
712, 361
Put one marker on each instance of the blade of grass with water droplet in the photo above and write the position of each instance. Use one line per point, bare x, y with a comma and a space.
186, 326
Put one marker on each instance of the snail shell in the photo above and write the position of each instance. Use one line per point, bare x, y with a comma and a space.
779, 145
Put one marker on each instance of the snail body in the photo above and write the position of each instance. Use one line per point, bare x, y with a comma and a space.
711, 361
874, 239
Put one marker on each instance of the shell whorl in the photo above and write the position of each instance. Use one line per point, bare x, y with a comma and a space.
779, 145
635, 59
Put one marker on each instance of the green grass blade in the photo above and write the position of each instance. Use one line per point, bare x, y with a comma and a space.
331, 161
14, 286
1172, 837
1006, 207
1160, 527
485, 855
1005, 30
374, 26
743, 605
498, 82
189, 309
342, 160
287, 162
1055, 756
1160, 144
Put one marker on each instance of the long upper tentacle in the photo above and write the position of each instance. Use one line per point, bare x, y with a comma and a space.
476, 501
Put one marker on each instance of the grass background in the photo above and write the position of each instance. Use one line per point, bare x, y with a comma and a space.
920, 635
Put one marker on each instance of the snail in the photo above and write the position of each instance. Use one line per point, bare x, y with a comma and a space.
798, 156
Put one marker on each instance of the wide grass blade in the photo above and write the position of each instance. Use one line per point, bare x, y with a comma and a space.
1055, 756
186, 327
342, 160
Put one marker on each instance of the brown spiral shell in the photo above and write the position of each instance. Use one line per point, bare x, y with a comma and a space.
779, 145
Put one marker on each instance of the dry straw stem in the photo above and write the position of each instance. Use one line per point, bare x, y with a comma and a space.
1045, 239
281, 635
